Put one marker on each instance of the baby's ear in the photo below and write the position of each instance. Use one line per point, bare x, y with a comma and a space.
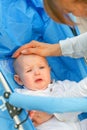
17, 79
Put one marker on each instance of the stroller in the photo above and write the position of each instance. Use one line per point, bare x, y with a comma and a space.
23, 21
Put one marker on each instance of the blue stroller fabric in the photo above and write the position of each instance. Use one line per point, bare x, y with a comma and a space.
24, 20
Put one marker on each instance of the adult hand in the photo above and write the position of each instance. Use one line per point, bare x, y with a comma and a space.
39, 48
39, 117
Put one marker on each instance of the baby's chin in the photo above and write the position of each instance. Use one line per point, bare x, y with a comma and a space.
41, 85
40, 88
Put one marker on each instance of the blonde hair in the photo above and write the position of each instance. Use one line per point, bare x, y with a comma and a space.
56, 13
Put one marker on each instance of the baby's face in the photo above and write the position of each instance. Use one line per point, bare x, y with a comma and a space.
34, 72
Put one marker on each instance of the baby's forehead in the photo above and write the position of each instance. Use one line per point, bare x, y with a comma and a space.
36, 57
23, 62
31, 58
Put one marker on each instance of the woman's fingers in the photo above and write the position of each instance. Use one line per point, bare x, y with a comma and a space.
25, 49
18, 51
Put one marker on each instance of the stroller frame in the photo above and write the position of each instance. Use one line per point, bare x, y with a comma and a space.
13, 111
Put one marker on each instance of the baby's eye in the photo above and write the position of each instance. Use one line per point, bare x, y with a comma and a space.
29, 70
42, 67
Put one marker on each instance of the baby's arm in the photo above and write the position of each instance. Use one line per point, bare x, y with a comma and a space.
74, 89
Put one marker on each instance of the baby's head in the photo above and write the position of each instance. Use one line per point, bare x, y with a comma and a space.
32, 71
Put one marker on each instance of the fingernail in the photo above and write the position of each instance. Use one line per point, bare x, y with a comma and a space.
14, 55
24, 51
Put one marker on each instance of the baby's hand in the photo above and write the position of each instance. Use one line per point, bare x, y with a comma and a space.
39, 117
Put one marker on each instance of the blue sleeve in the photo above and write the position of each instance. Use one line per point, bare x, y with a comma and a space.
50, 105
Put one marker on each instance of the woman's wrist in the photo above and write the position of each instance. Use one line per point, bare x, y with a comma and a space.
56, 50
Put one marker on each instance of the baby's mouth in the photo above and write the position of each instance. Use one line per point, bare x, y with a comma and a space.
38, 80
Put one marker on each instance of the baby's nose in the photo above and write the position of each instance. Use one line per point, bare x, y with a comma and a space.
37, 71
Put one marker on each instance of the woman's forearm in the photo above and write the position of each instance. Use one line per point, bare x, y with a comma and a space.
54, 50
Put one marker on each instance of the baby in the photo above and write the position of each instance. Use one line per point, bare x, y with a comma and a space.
33, 72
